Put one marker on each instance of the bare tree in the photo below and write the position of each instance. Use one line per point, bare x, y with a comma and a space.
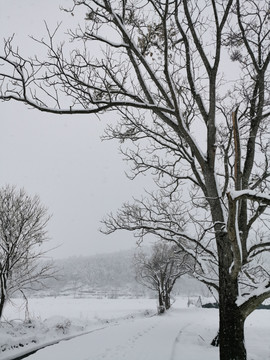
185, 119
22, 231
160, 269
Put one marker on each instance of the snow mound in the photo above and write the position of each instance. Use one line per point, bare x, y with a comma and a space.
18, 335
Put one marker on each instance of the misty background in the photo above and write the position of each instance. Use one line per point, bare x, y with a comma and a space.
62, 159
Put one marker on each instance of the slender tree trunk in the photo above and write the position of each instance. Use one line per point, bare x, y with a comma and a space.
2, 303
167, 301
161, 307
160, 300
2, 300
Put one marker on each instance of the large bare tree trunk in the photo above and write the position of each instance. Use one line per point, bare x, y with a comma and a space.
231, 329
231, 320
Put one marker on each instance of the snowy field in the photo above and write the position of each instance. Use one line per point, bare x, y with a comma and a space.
120, 329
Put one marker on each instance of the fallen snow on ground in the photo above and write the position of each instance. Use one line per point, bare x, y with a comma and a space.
47, 320
123, 329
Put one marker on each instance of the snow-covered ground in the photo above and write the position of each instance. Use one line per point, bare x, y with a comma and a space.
126, 329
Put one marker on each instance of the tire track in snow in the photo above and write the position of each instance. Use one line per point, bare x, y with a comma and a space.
132, 344
153, 339
174, 355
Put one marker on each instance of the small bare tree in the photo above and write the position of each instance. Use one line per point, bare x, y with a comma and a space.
160, 269
23, 223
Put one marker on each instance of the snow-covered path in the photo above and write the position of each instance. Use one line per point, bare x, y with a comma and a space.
122, 329
180, 334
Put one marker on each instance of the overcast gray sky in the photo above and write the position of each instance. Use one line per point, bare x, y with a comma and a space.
62, 159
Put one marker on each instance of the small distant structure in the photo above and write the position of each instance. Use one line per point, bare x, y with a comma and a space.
195, 302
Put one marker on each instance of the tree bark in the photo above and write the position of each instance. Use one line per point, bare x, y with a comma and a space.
2, 302
161, 307
167, 301
231, 321
231, 335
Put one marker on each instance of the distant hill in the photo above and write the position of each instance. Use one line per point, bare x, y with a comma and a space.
111, 275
